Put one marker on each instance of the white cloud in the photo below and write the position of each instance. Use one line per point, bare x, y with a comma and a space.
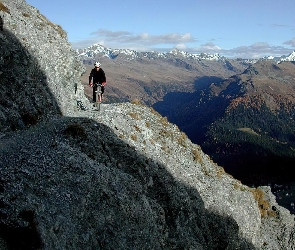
165, 42
258, 50
260, 46
125, 38
291, 42
181, 46
276, 25
110, 34
209, 47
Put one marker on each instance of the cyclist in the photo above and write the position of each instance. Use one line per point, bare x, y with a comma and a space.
97, 76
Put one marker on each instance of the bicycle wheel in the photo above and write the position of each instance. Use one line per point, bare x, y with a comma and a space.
98, 97
98, 105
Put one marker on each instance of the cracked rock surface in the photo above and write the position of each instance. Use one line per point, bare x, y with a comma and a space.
122, 178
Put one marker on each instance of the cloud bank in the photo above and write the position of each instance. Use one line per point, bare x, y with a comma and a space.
184, 42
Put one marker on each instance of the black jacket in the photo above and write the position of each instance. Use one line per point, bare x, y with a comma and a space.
98, 76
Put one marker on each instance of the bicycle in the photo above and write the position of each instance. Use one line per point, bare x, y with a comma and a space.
98, 96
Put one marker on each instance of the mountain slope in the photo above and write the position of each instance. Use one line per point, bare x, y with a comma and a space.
149, 76
124, 187
246, 123
124, 178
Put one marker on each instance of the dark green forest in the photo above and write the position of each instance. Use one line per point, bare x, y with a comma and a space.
255, 146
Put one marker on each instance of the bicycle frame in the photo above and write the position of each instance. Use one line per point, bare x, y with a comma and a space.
98, 96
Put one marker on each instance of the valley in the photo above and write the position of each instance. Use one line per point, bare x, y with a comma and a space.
214, 118
241, 113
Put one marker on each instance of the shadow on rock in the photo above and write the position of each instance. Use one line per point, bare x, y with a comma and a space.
78, 184
25, 97
71, 183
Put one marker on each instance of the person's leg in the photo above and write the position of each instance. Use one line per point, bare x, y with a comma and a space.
94, 88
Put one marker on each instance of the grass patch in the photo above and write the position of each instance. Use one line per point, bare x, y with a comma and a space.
182, 139
4, 8
164, 121
153, 111
197, 156
26, 15
134, 115
57, 27
134, 137
60, 30
137, 128
220, 172
136, 101
263, 205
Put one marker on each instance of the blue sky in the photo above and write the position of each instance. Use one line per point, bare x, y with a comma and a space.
233, 28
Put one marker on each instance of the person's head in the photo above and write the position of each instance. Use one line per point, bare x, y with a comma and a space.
97, 65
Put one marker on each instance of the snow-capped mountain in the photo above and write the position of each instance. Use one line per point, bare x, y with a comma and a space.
97, 49
290, 57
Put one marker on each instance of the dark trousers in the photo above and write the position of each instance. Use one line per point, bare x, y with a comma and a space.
94, 89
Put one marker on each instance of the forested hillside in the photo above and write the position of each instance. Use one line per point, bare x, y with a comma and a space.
245, 123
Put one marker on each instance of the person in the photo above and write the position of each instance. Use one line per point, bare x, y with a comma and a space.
97, 76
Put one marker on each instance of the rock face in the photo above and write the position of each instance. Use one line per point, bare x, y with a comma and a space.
37, 64
122, 178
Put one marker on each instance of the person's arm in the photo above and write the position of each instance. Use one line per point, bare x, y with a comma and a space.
103, 78
90, 78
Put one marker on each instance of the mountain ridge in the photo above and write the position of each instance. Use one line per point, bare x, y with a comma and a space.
125, 178
152, 75
149, 76
93, 50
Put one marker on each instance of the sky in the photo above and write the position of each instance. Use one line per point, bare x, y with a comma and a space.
231, 28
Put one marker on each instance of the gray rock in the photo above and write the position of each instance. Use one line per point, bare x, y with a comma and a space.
122, 178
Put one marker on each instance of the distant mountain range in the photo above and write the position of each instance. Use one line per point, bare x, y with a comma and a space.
96, 49
289, 58
99, 50
149, 76
240, 111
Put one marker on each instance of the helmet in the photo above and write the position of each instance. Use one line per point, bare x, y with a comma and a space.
97, 64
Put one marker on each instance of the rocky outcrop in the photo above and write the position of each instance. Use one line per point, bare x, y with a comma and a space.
38, 68
122, 178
